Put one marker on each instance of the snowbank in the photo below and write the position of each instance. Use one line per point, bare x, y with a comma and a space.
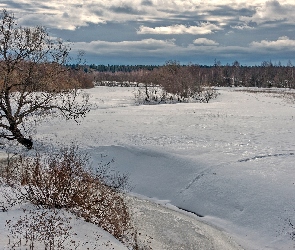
231, 161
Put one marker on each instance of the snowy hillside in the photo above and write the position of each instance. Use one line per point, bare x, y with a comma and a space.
230, 161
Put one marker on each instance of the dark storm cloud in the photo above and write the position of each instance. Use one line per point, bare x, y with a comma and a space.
22, 7
111, 31
147, 3
17, 5
230, 12
126, 10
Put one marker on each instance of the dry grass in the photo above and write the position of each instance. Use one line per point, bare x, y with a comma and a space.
62, 181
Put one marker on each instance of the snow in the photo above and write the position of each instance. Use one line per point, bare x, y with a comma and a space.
230, 161
82, 235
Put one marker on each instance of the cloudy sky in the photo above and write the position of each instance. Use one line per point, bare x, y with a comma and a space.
154, 31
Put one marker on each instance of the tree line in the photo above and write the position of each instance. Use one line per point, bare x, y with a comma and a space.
265, 75
113, 68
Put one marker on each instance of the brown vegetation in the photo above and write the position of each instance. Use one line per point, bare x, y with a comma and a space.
64, 181
31, 62
265, 75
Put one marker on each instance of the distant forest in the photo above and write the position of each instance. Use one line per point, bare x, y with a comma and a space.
265, 75
114, 68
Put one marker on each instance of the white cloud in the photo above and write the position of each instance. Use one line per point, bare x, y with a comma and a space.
283, 42
57, 14
154, 47
202, 28
170, 49
142, 46
272, 11
242, 27
67, 14
205, 42
70, 14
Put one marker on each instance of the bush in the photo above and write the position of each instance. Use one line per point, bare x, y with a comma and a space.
157, 95
63, 181
49, 228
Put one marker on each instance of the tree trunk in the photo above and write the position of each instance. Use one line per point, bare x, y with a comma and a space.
27, 142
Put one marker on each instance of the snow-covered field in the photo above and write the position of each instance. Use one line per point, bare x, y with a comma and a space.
230, 161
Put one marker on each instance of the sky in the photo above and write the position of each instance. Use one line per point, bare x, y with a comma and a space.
152, 32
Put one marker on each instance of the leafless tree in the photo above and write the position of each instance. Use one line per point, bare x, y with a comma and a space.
33, 80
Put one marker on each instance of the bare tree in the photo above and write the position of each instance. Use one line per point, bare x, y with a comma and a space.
33, 81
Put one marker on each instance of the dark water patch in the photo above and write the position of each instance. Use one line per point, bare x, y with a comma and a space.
264, 156
186, 210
